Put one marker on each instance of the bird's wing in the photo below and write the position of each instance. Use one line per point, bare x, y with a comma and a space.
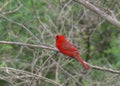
68, 46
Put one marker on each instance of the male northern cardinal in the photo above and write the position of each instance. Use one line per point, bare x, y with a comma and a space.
68, 49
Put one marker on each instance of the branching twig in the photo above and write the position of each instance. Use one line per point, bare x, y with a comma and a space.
29, 45
8, 69
38, 19
41, 68
21, 25
104, 69
4, 5
107, 17
14, 10
51, 48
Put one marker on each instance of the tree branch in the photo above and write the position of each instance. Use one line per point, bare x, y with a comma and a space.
29, 45
104, 69
107, 17
51, 48
18, 73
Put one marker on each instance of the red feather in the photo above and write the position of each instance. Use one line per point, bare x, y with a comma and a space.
68, 49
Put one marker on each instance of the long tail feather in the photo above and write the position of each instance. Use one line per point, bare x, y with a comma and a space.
77, 57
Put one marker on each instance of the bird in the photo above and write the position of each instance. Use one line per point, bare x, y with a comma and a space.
66, 48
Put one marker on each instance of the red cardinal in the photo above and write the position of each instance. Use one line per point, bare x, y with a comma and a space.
68, 49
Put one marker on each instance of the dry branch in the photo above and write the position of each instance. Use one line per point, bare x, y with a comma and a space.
19, 24
52, 48
107, 17
24, 73
41, 68
104, 69
28, 45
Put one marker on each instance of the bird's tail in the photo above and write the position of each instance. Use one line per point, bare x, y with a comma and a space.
77, 57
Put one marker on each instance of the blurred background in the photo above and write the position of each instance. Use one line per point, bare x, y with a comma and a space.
36, 22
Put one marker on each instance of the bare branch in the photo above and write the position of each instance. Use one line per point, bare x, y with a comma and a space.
29, 74
52, 48
29, 45
21, 25
104, 69
38, 19
4, 5
14, 10
107, 17
41, 68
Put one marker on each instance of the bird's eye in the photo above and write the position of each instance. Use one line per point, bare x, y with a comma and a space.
57, 37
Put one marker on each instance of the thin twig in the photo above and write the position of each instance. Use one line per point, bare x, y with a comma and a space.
5, 4
52, 48
104, 69
21, 25
107, 17
41, 68
8, 69
29, 45
38, 19
14, 10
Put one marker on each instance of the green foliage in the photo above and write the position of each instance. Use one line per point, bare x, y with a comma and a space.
115, 51
6, 47
36, 21
2, 64
3, 83
115, 47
